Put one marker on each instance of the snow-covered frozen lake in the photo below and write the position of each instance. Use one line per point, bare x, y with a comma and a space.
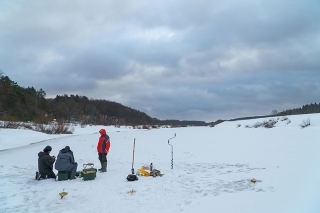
212, 169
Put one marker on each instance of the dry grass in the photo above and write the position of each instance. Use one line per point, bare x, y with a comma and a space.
213, 124
53, 128
305, 123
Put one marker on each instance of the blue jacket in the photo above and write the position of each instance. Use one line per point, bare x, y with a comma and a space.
65, 160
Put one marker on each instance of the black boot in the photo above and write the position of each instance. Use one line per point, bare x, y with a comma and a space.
104, 167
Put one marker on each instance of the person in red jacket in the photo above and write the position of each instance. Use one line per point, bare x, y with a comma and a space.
103, 149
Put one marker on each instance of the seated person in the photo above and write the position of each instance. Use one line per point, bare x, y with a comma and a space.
45, 164
65, 162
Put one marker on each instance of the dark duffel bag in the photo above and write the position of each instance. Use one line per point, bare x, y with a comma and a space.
132, 177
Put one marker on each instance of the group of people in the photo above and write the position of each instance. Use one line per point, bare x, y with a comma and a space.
65, 162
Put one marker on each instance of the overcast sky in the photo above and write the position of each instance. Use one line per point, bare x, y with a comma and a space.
182, 59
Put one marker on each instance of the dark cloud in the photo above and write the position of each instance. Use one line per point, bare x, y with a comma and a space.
201, 60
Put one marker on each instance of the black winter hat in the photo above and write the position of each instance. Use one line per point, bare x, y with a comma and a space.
67, 147
47, 149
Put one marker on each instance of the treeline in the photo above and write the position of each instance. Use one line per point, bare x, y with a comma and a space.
183, 123
28, 104
251, 117
79, 109
305, 109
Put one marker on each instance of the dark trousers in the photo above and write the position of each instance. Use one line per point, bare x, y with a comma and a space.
102, 157
50, 175
74, 170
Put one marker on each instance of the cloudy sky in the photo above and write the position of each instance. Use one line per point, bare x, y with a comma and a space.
187, 60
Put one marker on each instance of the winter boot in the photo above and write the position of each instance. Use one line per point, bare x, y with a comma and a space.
101, 167
104, 167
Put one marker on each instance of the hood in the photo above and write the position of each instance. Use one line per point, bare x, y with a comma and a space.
40, 154
65, 150
103, 131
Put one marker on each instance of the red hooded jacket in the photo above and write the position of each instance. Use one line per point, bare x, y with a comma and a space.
104, 142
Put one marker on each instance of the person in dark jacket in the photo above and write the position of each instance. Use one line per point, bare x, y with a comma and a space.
45, 163
65, 162
103, 149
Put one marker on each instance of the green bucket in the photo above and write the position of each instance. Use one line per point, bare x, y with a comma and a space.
63, 175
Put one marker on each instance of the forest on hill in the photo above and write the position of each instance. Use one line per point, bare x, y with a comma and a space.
28, 104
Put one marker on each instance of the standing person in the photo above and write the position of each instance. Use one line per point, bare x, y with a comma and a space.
103, 149
45, 164
65, 162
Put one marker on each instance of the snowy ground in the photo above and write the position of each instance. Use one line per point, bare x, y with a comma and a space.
212, 169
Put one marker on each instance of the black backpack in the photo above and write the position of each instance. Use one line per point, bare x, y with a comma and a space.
132, 177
